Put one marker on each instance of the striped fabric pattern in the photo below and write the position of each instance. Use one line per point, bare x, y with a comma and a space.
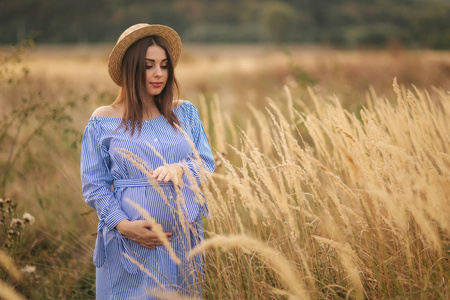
103, 167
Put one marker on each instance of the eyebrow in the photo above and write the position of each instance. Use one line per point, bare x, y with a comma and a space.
152, 60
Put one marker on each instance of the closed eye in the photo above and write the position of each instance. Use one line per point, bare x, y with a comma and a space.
162, 67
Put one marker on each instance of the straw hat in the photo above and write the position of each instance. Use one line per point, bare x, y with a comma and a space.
137, 32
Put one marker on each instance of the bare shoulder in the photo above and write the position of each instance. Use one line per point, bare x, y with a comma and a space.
107, 111
177, 103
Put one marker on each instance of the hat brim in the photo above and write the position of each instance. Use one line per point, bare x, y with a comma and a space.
135, 33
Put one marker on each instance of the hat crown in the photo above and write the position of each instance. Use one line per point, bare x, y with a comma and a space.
131, 29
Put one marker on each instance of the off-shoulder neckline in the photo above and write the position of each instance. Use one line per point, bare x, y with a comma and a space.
144, 121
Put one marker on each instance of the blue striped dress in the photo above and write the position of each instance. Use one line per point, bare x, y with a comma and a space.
124, 269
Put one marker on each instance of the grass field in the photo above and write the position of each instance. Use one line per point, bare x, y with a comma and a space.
333, 179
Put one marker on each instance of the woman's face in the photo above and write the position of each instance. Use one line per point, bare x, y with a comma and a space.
157, 70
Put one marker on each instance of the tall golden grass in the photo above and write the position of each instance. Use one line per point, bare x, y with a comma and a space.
360, 211
357, 203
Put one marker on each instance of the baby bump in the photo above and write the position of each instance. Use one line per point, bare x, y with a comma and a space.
137, 201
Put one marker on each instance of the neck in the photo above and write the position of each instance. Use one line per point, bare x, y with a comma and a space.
149, 108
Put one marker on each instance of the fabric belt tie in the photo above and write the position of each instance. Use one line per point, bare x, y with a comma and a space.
192, 206
135, 182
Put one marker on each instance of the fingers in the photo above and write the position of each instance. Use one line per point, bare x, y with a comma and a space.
168, 173
152, 242
161, 174
152, 245
147, 225
148, 247
140, 232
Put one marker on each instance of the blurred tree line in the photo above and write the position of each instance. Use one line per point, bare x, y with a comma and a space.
342, 23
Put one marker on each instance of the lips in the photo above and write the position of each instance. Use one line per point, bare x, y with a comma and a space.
156, 84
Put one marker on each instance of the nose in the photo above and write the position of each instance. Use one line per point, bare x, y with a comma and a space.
158, 71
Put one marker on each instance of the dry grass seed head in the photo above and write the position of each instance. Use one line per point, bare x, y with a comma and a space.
287, 274
265, 135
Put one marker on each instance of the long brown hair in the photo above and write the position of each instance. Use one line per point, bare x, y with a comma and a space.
133, 89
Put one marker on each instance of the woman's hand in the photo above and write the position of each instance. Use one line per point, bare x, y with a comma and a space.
140, 232
167, 173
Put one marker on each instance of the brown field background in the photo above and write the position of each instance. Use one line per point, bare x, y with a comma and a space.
229, 83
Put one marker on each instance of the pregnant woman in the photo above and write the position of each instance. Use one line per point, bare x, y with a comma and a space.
165, 134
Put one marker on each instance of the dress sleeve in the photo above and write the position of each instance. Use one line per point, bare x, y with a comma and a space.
201, 143
96, 178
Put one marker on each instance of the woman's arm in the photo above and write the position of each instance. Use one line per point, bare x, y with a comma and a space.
96, 178
200, 164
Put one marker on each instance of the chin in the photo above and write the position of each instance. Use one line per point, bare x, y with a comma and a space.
154, 93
